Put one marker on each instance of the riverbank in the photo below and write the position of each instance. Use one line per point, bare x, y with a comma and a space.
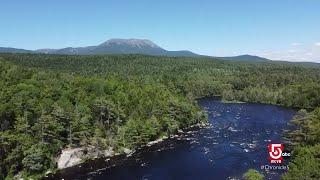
98, 163
233, 101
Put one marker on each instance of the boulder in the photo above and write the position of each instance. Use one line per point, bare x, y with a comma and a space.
70, 157
127, 151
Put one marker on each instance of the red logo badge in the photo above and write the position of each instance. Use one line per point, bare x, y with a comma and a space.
275, 153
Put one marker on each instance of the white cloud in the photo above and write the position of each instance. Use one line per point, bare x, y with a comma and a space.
301, 53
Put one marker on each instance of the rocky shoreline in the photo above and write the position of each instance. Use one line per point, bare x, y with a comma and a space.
71, 162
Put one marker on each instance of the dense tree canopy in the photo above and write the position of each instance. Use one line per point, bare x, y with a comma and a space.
252, 174
127, 100
305, 139
291, 85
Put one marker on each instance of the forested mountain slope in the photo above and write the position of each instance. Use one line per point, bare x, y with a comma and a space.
246, 58
112, 46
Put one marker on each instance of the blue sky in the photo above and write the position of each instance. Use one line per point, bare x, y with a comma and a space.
277, 29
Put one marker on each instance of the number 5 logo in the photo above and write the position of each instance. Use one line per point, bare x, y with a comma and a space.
275, 153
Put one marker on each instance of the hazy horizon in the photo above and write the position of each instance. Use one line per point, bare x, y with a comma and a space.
286, 30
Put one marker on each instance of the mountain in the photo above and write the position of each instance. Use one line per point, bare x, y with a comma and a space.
120, 46
13, 50
245, 58
45, 51
140, 46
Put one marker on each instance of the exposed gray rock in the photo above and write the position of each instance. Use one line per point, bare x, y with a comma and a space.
70, 157
151, 143
127, 151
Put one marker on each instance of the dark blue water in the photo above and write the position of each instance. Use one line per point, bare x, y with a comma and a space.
236, 141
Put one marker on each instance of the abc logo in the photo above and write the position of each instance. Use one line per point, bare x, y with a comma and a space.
286, 154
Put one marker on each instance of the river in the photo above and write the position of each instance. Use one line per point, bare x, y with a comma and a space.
236, 141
